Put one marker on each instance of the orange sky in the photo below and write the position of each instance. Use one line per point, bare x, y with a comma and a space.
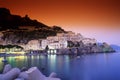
93, 18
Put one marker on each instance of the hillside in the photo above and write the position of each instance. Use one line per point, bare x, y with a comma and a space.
9, 26
10, 21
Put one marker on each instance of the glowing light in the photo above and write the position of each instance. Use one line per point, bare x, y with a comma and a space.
51, 51
48, 51
55, 51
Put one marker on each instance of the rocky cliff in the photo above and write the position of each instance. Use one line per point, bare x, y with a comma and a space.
9, 26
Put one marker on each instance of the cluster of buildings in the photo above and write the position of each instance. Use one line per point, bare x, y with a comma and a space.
54, 42
57, 42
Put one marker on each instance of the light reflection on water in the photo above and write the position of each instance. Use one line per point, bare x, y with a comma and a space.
88, 67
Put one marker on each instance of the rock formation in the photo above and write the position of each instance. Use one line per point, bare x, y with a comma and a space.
31, 74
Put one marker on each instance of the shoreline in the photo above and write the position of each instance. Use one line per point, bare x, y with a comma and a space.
66, 51
13, 55
69, 50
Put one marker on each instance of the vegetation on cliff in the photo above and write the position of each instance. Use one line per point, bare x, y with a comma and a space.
12, 34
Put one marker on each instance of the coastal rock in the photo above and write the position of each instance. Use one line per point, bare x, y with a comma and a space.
35, 74
48, 78
74, 51
23, 69
7, 68
11, 75
96, 49
32, 74
1, 77
107, 48
23, 75
66, 51
19, 79
53, 75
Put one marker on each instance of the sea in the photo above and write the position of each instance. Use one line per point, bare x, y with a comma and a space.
97, 66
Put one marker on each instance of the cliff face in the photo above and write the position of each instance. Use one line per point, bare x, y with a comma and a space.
9, 25
25, 36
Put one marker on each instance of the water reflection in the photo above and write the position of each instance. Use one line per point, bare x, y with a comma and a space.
87, 67
52, 62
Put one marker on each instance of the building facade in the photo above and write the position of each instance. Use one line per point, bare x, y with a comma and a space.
33, 45
87, 41
58, 42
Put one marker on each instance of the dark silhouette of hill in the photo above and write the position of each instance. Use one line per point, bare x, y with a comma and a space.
10, 21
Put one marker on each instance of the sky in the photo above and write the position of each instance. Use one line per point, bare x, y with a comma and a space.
99, 19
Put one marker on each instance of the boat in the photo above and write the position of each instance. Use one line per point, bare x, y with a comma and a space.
4, 60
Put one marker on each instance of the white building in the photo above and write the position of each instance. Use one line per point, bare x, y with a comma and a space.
44, 43
58, 44
33, 45
87, 41
70, 36
61, 40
